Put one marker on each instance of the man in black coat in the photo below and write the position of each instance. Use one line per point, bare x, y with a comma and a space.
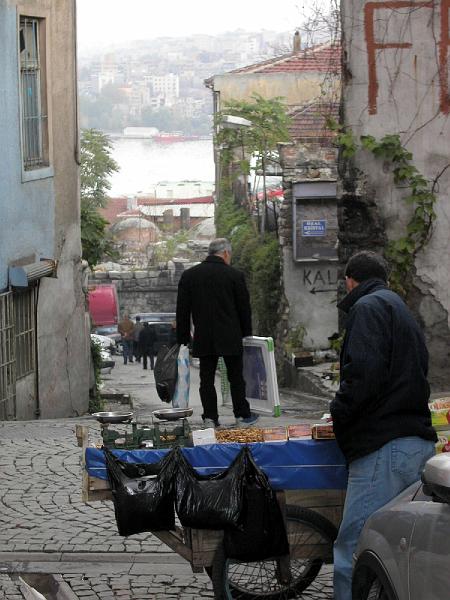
216, 296
380, 413
146, 345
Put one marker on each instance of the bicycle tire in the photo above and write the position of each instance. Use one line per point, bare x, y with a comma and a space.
229, 577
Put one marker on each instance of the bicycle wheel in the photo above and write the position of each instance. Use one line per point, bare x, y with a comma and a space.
311, 538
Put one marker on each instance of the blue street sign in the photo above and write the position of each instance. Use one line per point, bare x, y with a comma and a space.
316, 228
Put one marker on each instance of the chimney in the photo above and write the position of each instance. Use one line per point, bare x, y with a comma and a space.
297, 43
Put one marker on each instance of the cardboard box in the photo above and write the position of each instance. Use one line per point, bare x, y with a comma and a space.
275, 434
299, 432
323, 431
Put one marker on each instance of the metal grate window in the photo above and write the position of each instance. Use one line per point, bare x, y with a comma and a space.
7, 358
24, 320
33, 94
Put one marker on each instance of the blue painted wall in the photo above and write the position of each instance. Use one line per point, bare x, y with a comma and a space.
26, 209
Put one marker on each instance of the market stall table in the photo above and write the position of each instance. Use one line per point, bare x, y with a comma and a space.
310, 477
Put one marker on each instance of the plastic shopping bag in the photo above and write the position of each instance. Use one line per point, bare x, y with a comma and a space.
143, 495
166, 372
181, 396
209, 501
262, 534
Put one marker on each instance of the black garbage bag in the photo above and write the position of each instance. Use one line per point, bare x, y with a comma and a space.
142, 502
210, 501
166, 372
262, 534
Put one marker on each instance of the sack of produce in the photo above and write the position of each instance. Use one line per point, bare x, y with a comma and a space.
181, 395
143, 495
262, 534
166, 372
210, 501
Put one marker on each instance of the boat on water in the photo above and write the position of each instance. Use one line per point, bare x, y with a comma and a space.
176, 136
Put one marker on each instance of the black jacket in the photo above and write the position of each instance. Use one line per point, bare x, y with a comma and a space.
147, 340
384, 391
216, 296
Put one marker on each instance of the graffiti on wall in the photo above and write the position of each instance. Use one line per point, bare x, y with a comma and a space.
374, 45
320, 280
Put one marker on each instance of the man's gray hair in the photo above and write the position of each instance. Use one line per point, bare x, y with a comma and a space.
218, 246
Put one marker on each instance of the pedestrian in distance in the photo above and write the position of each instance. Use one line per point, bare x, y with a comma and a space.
215, 295
380, 413
126, 330
147, 345
137, 330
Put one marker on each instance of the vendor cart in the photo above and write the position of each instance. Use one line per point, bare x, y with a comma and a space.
310, 479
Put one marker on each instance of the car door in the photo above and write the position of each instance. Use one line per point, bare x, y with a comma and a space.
429, 554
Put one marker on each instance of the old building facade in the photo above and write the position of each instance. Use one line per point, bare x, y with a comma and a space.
308, 80
395, 82
44, 348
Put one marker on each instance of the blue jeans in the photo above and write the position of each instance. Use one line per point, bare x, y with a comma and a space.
127, 350
373, 481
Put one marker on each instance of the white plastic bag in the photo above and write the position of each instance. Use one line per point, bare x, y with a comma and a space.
181, 396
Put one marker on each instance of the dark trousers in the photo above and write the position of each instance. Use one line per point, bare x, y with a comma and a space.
208, 396
151, 356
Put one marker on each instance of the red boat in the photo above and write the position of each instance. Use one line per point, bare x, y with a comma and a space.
176, 136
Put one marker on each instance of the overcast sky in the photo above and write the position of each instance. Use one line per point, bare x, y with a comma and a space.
105, 22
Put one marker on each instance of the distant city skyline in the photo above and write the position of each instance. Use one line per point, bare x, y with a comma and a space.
102, 23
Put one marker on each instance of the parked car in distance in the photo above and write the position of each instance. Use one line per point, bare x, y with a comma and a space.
404, 549
111, 332
161, 323
106, 345
155, 317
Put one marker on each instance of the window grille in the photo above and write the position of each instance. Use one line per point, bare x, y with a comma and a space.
24, 320
33, 94
7, 358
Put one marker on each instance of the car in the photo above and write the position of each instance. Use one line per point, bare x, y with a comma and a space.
110, 331
403, 552
105, 342
161, 323
154, 317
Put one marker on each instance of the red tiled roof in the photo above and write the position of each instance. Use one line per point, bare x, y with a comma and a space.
309, 122
175, 201
323, 58
113, 208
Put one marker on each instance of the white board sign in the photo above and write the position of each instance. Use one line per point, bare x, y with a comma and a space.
260, 376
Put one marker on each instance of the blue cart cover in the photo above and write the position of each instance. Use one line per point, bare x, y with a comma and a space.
292, 465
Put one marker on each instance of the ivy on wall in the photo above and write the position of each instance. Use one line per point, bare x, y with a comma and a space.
420, 195
259, 259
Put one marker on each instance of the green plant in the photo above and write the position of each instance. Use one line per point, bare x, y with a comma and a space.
336, 344
95, 400
167, 249
95, 168
294, 340
268, 127
401, 252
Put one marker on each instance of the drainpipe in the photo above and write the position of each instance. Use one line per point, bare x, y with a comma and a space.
37, 410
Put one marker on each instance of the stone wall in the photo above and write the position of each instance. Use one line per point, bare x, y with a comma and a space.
396, 82
144, 291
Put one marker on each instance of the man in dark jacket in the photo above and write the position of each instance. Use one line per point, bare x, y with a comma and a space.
216, 296
380, 413
146, 345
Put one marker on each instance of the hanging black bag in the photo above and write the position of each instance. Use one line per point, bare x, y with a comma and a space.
262, 534
209, 501
143, 495
166, 372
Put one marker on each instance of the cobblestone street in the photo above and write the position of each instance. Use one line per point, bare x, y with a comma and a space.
46, 528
